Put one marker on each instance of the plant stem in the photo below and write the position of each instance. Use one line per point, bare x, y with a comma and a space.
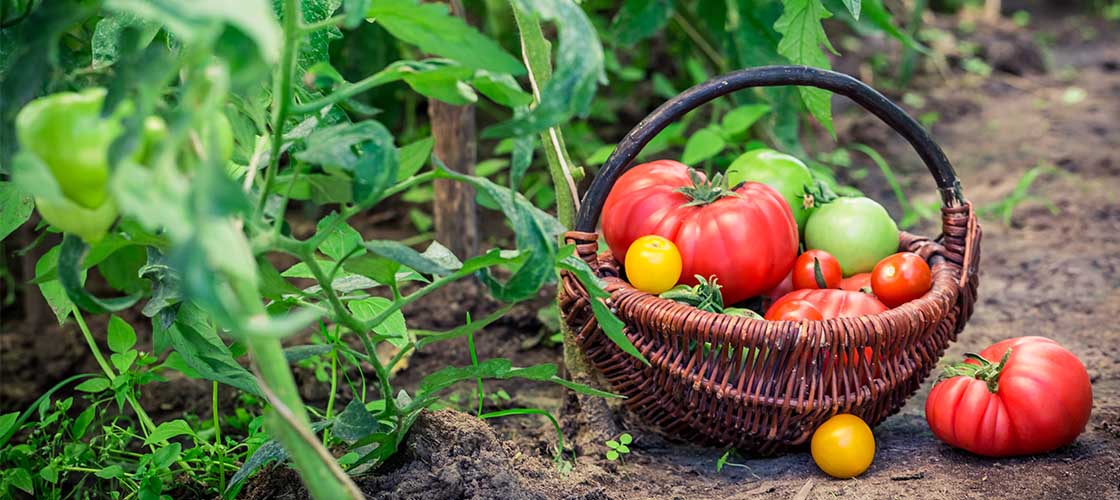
218, 436
327, 23
697, 38
146, 423
282, 95
334, 386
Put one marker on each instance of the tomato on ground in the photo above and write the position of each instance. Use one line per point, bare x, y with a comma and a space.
843, 446
653, 264
833, 303
806, 266
900, 278
746, 237
1023, 396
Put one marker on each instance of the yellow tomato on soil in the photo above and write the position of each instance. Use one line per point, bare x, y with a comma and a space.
843, 446
653, 264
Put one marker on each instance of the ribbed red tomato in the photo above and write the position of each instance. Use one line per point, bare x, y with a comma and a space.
746, 237
857, 283
1025, 395
794, 310
833, 303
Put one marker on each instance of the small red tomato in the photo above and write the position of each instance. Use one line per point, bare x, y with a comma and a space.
900, 278
857, 283
805, 270
794, 310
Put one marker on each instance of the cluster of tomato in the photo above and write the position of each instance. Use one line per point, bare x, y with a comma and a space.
670, 225
678, 234
69, 136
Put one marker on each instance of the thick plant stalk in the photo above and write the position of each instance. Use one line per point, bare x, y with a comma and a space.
593, 415
287, 421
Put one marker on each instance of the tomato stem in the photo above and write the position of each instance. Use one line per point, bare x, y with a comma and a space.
986, 370
702, 191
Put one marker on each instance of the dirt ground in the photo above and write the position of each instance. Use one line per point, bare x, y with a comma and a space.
1056, 275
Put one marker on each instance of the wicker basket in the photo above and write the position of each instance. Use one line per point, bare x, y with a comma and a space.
762, 386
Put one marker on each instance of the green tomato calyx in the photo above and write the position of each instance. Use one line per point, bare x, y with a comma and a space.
705, 191
986, 370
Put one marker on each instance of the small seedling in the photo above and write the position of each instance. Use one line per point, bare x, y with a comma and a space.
619, 448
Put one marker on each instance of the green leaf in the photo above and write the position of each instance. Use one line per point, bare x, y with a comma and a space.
612, 327
168, 430
299, 353
802, 38
52, 290
355, 12
625, 439
71, 276
372, 170
110, 472
15, 208
191, 20
612, 455
501, 88
375, 267
406, 255
165, 456
392, 328
49, 474
640, 19
612, 444
447, 83
583, 389
270, 451
853, 7
413, 157
740, 119
703, 144
535, 233
159, 203
21, 478
81, 423
107, 36
7, 422
579, 66
194, 338
121, 335
123, 360
520, 159
434, 30
354, 423
93, 385
273, 286
342, 241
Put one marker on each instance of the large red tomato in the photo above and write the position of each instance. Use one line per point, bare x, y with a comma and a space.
1028, 395
746, 238
833, 303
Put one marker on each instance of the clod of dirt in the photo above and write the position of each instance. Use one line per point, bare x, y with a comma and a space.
1010, 50
451, 455
447, 455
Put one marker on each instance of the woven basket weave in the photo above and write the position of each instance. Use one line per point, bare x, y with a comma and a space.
762, 386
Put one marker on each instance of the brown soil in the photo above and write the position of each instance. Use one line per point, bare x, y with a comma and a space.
1056, 275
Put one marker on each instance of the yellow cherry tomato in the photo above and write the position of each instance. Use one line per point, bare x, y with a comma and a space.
653, 264
843, 446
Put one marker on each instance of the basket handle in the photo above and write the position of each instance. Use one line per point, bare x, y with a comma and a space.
767, 76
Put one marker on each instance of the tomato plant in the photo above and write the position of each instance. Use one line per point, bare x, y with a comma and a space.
816, 269
843, 446
1019, 396
900, 278
857, 231
745, 237
833, 303
653, 264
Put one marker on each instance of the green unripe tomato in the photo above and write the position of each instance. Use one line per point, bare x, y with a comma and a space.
66, 132
224, 132
155, 132
857, 231
90, 224
785, 173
